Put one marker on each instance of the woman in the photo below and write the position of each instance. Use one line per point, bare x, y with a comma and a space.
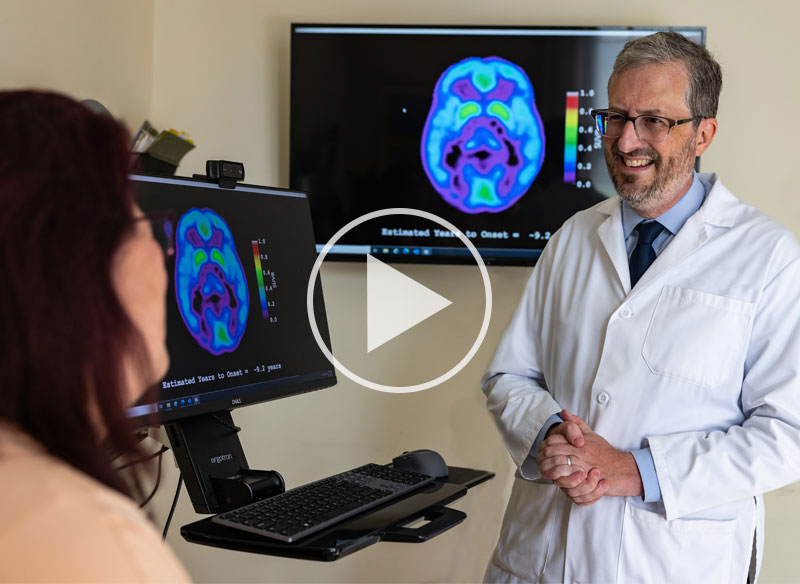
82, 336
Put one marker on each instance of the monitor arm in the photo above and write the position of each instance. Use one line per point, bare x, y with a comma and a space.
213, 465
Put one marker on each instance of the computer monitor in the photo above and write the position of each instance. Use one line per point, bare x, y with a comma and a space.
486, 127
238, 331
237, 324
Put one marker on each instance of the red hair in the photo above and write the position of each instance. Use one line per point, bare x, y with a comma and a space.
65, 208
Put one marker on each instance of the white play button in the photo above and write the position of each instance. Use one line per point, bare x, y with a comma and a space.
395, 303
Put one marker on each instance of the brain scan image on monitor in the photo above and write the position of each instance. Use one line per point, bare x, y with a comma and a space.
210, 285
483, 141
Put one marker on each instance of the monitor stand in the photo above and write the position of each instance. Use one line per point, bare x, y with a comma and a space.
213, 466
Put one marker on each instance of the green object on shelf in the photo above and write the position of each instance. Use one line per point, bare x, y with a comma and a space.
169, 147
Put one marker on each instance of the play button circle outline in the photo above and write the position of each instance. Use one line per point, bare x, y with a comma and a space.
487, 311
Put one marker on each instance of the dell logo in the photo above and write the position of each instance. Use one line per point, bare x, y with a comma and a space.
236, 401
221, 458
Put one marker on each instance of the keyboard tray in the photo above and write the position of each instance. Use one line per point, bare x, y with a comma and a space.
342, 539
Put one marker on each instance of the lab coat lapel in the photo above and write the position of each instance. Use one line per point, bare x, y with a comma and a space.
718, 210
610, 234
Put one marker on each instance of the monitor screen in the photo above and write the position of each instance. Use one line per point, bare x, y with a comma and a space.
237, 324
486, 127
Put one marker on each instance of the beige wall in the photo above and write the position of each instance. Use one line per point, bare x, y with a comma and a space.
219, 69
89, 49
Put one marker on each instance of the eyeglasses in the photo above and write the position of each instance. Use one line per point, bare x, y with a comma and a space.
610, 124
162, 223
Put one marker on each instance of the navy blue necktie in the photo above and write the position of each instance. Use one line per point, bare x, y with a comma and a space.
643, 254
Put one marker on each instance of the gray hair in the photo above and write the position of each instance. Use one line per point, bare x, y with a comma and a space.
705, 74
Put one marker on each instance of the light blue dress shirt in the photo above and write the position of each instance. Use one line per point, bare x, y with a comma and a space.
673, 219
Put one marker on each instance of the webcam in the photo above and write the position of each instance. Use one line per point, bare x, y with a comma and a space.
224, 172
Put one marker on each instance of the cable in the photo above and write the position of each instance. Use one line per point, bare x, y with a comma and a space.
226, 424
172, 510
152, 494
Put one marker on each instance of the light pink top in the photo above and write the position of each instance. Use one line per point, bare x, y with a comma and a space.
57, 524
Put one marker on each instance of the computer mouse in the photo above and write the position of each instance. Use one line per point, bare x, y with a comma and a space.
424, 461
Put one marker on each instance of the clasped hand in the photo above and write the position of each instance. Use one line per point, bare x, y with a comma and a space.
584, 465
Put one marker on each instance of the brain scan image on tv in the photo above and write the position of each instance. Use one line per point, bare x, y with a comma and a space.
483, 141
210, 285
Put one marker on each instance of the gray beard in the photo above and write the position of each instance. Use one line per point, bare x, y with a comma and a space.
670, 176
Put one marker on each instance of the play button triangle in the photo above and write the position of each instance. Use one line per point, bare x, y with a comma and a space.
395, 303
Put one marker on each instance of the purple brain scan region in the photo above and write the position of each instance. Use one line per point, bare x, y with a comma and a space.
209, 281
483, 141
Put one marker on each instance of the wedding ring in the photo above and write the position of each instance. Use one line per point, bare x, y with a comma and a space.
569, 460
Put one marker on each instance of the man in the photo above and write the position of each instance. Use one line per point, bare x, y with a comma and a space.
648, 386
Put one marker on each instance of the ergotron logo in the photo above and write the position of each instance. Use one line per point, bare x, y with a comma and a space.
221, 458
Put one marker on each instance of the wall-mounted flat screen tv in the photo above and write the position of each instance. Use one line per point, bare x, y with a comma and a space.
486, 127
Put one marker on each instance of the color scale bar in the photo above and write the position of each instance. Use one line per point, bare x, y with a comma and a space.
571, 137
260, 276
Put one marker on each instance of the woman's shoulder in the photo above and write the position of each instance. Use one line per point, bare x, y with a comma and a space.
59, 523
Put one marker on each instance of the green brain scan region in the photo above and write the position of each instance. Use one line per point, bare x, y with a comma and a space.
210, 284
483, 141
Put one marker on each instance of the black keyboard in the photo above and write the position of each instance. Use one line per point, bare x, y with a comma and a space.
307, 509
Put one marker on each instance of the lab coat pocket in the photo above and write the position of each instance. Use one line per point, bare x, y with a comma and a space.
527, 530
696, 336
655, 550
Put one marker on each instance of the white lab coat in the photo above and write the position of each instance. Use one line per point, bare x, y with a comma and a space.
700, 361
